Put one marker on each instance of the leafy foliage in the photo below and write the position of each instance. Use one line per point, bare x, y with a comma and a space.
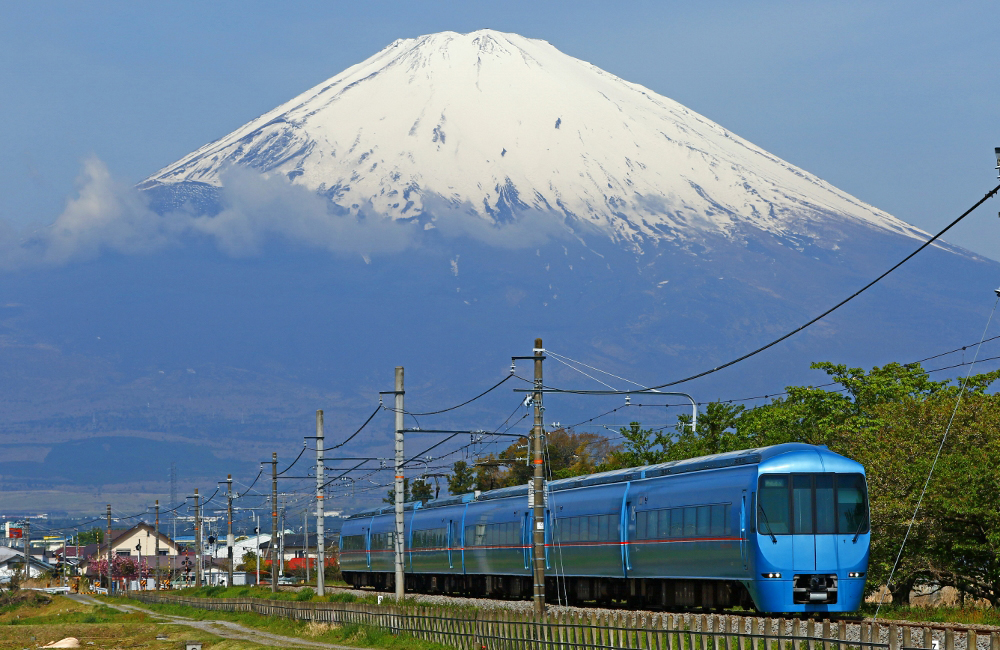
892, 420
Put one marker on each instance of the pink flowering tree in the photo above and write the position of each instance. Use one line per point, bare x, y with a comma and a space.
123, 567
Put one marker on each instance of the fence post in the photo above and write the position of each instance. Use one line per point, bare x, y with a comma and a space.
994, 641
972, 640
949, 639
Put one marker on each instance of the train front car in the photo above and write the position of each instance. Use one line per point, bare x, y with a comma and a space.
812, 532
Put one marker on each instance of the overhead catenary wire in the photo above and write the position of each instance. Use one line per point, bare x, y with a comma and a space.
360, 429
302, 451
811, 321
458, 406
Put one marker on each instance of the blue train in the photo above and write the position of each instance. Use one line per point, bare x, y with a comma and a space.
781, 529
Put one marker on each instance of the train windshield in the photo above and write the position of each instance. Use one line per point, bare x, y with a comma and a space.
812, 504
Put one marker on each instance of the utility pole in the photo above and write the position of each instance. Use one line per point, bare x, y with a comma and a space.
320, 524
274, 521
539, 505
197, 539
27, 549
109, 549
156, 534
400, 579
281, 544
229, 535
305, 541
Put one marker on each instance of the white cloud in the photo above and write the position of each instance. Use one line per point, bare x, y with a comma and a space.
108, 215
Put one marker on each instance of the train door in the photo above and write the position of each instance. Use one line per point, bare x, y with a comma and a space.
526, 539
547, 537
366, 531
627, 527
450, 541
744, 546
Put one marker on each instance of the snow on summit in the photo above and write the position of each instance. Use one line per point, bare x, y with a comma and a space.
496, 124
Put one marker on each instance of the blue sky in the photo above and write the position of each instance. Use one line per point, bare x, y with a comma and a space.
894, 102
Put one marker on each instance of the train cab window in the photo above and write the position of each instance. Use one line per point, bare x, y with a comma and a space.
772, 505
826, 518
802, 504
808, 504
852, 504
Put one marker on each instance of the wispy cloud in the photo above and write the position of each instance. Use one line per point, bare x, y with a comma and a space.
108, 215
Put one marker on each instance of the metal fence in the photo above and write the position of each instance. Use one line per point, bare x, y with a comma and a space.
502, 629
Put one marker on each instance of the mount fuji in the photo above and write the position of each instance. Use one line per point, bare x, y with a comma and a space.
438, 206
494, 125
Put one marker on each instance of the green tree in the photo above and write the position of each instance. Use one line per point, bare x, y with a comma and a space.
462, 479
421, 490
390, 497
92, 536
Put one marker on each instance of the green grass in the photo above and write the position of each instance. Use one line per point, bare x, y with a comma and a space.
358, 635
306, 594
98, 614
967, 616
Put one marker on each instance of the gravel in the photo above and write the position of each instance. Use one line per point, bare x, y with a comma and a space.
853, 627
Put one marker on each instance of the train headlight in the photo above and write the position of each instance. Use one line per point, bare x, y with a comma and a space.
771, 575
856, 574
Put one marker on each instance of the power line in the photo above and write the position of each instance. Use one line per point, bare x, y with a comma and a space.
812, 321
351, 437
457, 406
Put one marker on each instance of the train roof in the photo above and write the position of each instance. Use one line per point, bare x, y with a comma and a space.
715, 461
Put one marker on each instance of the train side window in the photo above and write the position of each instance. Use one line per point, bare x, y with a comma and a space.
606, 525
704, 521
663, 525
640, 525
802, 504
677, 522
480, 536
718, 521
690, 522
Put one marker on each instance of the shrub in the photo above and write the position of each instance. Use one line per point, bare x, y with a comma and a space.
342, 597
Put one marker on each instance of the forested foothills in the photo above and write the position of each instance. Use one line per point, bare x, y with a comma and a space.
891, 419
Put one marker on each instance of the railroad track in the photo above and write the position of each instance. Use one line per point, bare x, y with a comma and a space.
845, 628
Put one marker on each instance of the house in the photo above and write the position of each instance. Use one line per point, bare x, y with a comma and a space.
133, 542
141, 540
12, 560
242, 546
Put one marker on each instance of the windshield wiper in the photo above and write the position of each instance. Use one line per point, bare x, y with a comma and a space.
858, 531
769, 531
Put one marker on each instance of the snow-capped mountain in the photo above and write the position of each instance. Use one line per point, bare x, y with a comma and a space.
497, 124
497, 191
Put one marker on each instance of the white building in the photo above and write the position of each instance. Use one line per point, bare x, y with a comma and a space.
12, 560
